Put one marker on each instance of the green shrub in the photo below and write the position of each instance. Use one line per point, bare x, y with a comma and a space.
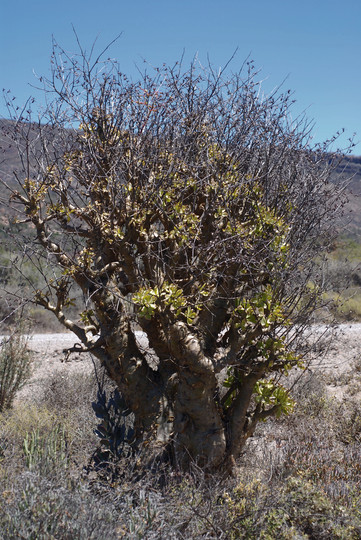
309, 489
15, 366
37, 508
46, 451
294, 509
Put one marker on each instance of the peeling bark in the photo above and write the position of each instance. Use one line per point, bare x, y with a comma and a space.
198, 428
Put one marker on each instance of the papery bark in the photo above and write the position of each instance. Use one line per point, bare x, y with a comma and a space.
199, 433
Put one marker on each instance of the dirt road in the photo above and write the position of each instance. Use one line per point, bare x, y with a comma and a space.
338, 359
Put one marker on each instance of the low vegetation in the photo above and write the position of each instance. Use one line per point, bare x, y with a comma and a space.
343, 275
201, 217
15, 365
298, 478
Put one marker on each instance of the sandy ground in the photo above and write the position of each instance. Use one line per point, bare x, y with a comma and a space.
341, 362
49, 357
338, 359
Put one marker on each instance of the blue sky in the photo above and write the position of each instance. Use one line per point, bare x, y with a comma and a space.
314, 44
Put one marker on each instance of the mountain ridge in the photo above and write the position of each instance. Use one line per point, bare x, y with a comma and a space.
349, 171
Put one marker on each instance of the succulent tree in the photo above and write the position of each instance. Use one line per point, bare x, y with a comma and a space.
188, 210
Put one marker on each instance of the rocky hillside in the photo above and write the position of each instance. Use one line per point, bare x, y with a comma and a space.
349, 169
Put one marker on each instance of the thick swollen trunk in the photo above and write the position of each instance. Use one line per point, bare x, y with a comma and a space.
199, 434
198, 427
139, 384
202, 433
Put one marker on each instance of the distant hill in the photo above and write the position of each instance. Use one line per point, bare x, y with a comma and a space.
9, 155
349, 169
9, 158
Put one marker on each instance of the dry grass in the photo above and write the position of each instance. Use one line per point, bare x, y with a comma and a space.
299, 479
343, 279
15, 366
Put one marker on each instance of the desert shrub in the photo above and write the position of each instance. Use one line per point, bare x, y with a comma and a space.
36, 508
194, 214
7, 313
350, 308
46, 498
302, 478
24, 418
299, 479
297, 509
35, 439
312, 399
323, 450
71, 395
66, 390
345, 305
344, 279
15, 366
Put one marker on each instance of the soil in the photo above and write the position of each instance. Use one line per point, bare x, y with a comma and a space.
341, 363
49, 352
